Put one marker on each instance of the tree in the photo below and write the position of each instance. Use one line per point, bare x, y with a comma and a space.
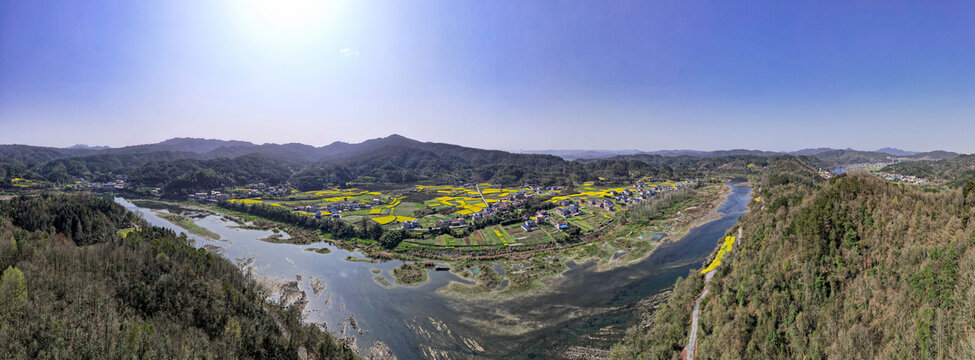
13, 291
968, 189
231, 332
390, 239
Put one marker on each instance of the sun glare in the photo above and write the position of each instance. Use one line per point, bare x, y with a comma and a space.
283, 23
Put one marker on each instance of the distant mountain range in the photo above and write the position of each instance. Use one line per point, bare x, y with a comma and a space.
878, 155
301, 154
399, 146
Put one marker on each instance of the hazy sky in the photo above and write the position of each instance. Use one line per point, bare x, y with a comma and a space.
775, 75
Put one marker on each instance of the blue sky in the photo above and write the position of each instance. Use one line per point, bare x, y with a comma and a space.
774, 75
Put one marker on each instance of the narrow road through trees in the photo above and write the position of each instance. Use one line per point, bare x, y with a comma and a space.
696, 313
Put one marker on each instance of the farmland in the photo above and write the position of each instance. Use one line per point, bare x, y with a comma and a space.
471, 217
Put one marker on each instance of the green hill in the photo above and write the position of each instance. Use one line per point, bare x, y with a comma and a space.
955, 170
75, 287
855, 267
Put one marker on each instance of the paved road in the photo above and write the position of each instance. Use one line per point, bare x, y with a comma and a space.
478, 187
696, 313
695, 316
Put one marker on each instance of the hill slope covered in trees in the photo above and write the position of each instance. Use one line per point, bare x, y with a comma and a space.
74, 287
855, 267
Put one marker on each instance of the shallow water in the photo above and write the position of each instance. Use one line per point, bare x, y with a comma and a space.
413, 321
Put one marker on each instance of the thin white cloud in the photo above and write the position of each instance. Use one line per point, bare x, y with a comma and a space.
348, 52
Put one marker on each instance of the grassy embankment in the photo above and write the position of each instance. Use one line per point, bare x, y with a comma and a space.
188, 224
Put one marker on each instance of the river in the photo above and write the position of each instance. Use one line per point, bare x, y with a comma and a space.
581, 308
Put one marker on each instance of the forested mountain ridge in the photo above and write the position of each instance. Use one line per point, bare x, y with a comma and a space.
855, 267
957, 170
183, 166
338, 152
74, 286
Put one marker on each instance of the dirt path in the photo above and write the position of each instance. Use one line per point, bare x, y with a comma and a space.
696, 314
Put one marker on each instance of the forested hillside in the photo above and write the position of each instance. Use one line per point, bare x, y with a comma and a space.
855, 267
73, 286
183, 166
957, 170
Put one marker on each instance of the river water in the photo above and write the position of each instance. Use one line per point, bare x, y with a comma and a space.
582, 307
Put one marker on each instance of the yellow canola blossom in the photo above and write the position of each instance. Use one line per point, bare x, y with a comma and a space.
247, 201
375, 211
384, 219
390, 218
500, 236
725, 248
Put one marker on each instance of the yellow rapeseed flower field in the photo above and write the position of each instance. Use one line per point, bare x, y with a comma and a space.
725, 248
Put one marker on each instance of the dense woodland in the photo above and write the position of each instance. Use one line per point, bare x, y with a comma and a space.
853, 267
74, 287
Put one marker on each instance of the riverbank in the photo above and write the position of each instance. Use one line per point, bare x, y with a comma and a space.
618, 247
518, 272
188, 224
573, 307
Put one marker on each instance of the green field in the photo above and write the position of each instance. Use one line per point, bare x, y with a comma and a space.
188, 224
540, 236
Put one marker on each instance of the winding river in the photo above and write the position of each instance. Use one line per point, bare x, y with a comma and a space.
581, 308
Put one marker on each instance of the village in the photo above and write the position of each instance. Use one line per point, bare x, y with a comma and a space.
464, 215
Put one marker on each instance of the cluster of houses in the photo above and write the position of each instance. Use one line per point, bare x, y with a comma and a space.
911, 179
541, 189
335, 210
409, 225
603, 204
453, 222
212, 196
108, 186
632, 197
569, 209
346, 206
262, 189
826, 174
